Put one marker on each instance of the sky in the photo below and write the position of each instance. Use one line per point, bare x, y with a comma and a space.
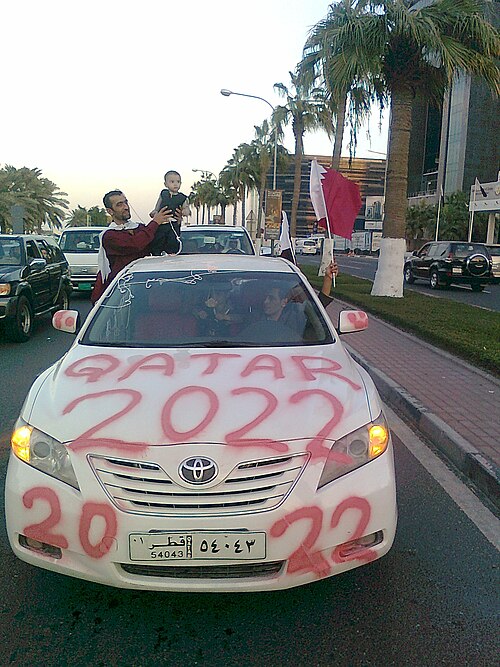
111, 94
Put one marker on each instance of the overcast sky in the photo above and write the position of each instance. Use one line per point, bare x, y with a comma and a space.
104, 94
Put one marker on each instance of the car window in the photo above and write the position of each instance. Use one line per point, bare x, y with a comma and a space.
423, 252
46, 251
215, 241
10, 252
56, 251
208, 309
32, 250
80, 241
466, 249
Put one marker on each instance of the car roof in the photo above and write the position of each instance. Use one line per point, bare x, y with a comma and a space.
27, 236
214, 262
207, 229
83, 229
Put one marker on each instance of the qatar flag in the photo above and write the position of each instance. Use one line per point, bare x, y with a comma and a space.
335, 199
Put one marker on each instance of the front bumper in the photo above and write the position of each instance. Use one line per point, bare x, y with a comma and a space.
8, 307
303, 534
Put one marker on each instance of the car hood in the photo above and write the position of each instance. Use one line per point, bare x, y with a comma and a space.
109, 398
8, 273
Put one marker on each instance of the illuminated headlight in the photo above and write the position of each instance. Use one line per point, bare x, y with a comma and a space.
355, 449
42, 452
4, 289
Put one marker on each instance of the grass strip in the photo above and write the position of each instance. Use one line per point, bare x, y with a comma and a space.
468, 332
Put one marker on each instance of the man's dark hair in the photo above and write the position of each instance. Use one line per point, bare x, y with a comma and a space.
172, 171
107, 197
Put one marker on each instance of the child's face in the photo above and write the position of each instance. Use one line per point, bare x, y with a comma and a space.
173, 182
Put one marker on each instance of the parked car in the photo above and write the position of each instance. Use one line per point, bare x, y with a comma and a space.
306, 247
80, 246
214, 239
494, 250
190, 440
34, 280
444, 262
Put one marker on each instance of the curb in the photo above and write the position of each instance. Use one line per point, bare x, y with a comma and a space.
483, 473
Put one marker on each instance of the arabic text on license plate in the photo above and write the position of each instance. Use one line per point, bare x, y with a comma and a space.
197, 546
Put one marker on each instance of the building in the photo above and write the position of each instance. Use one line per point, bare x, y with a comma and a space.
368, 173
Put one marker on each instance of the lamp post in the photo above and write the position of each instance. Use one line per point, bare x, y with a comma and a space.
205, 173
226, 93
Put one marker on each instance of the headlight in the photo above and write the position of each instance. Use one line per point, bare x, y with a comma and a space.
43, 453
356, 449
4, 289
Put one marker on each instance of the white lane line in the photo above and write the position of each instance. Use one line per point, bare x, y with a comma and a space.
480, 515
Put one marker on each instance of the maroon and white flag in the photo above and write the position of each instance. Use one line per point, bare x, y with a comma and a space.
335, 199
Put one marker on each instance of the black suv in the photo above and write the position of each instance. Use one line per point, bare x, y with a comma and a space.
446, 262
34, 280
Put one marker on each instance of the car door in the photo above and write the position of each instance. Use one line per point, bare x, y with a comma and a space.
420, 261
37, 276
55, 266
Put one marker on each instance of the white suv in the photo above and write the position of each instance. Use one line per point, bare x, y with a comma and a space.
80, 246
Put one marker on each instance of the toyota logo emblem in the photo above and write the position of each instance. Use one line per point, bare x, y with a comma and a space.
198, 470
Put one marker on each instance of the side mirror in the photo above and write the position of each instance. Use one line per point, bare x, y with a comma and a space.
37, 264
66, 320
351, 321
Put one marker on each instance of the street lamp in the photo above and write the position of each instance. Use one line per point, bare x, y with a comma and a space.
227, 92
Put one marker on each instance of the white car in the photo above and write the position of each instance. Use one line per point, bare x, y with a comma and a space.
306, 247
215, 239
206, 431
80, 246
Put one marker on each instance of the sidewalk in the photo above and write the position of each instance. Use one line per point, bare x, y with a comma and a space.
452, 404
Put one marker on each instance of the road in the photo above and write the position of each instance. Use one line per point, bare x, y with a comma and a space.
364, 266
431, 601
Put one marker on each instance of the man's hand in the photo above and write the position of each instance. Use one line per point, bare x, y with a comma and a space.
163, 216
332, 270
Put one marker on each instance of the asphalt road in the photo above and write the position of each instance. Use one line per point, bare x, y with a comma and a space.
431, 601
365, 266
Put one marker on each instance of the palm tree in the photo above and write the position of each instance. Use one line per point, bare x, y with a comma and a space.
42, 199
240, 173
306, 110
354, 100
409, 48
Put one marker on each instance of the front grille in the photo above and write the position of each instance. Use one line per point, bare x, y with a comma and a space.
242, 571
146, 488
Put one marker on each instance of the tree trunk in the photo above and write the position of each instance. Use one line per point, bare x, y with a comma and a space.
299, 151
339, 134
389, 276
243, 205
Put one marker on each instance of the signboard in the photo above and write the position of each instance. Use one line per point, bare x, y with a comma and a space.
485, 197
17, 212
273, 214
376, 238
374, 209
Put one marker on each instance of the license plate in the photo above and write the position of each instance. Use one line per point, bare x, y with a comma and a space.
456, 269
197, 546
84, 286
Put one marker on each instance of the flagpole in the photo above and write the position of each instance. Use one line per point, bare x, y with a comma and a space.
327, 227
438, 214
471, 223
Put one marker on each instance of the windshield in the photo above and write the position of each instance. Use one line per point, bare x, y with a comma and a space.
208, 309
10, 252
80, 241
215, 241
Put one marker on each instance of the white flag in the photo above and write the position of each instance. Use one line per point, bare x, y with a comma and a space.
316, 190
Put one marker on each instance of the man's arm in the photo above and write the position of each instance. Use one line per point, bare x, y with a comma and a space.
129, 241
332, 271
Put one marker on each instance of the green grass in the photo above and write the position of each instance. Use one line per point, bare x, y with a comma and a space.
467, 332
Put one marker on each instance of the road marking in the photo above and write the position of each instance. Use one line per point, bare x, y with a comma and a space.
480, 515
